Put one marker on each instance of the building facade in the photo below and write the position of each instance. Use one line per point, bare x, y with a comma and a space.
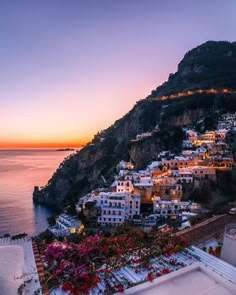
116, 207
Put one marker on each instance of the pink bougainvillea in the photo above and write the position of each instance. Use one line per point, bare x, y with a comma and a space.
79, 267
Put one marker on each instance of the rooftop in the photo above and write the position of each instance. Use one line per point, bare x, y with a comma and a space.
194, 279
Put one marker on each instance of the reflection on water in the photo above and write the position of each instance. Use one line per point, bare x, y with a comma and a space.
20, 171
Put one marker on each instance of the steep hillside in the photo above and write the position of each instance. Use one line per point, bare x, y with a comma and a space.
210, 65
95, 164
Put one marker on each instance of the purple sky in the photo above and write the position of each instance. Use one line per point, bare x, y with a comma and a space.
71, 68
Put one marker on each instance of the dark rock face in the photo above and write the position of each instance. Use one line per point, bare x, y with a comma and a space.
94, 165
144, 151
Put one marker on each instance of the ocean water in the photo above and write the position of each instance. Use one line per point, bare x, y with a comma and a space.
20, 171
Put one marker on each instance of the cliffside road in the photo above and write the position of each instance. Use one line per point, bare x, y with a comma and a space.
192, 92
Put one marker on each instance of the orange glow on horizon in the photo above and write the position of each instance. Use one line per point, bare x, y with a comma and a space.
16, 145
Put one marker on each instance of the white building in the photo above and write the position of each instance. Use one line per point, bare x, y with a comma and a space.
191, 134
116, 207
170, 208
124, 185
187, 143
143, 181
65, 225
124, 165
221, 133
183, 175
227, 121
229, 117
90, 197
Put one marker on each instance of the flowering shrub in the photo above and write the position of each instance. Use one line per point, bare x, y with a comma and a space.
150, 277
165, 271
121, 288
79, 267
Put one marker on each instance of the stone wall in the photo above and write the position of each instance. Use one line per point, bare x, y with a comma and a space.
204, 230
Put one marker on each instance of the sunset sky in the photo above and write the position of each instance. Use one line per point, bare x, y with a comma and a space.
71, 68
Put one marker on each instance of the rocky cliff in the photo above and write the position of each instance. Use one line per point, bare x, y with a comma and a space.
210, 65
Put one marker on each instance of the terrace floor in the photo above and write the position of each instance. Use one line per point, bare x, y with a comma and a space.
17, 266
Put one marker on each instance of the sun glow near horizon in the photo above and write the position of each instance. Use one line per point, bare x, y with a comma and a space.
41, 145
44, 139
